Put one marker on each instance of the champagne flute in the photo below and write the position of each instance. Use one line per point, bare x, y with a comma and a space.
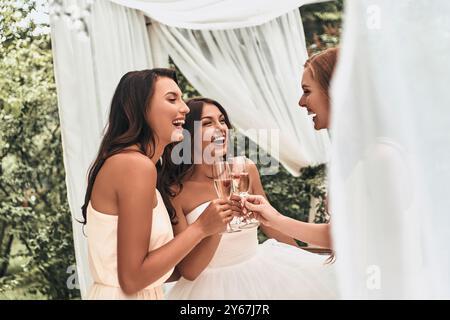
241, 183
223, 184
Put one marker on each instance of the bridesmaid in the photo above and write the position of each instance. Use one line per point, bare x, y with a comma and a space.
132, 250
316, 100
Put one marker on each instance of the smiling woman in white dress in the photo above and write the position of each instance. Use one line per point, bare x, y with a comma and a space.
131, 246
233, 265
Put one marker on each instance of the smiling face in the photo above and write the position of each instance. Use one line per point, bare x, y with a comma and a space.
214, 130
315, 100
167, 111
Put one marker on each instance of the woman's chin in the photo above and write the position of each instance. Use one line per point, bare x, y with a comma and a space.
177, 136
220, 151
317, 124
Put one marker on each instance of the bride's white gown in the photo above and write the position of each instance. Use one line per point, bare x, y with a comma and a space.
243, 269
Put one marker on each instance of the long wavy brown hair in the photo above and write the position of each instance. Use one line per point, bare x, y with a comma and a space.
322, 66
127, 124
170, 175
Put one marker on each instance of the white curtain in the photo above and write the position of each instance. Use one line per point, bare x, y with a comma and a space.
87, 70
390, 158
261, 71
255, 72
214, 14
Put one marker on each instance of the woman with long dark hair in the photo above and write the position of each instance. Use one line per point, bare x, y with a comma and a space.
231, 265
132, 251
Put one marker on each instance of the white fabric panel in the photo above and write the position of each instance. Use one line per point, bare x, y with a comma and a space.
390, 161
214, 14
255, 73
87, 71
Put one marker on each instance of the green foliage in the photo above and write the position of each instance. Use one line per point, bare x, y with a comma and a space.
186, 87
292, 195
322, 24
33, 201
35, 226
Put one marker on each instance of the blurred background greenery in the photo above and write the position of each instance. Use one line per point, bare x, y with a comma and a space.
36, 245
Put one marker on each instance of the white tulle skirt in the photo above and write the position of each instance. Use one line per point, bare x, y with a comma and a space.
275, 271
104, 292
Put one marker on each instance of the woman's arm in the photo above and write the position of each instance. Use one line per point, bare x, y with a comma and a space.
135, 189
257, 189
198, 259
175, 276
311, 233
317, 234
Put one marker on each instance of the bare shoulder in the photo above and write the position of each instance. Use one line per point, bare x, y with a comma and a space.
252, 168
255, 179
131, 160
124, 175
131, 165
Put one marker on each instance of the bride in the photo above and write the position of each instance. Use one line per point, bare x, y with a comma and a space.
232, 265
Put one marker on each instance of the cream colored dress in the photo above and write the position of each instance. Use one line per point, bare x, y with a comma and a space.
102, 246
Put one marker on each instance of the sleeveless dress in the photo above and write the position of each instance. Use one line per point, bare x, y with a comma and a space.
243, 269
102, 251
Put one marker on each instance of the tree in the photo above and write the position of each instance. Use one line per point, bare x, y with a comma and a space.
34, 212
33, 203
322, 24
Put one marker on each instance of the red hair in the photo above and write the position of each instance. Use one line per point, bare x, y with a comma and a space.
322, 67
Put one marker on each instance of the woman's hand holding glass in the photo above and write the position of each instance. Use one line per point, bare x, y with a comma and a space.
262, 210
241, 186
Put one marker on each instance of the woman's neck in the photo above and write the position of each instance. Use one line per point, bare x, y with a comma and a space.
157, 153
159, 150
202, 172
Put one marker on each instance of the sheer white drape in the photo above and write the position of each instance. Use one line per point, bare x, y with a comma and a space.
255, 72
257, 79
390, 161
87, 72
214, 14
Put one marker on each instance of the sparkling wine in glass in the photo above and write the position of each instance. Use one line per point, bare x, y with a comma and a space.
223, 187
223, 183
241, 184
